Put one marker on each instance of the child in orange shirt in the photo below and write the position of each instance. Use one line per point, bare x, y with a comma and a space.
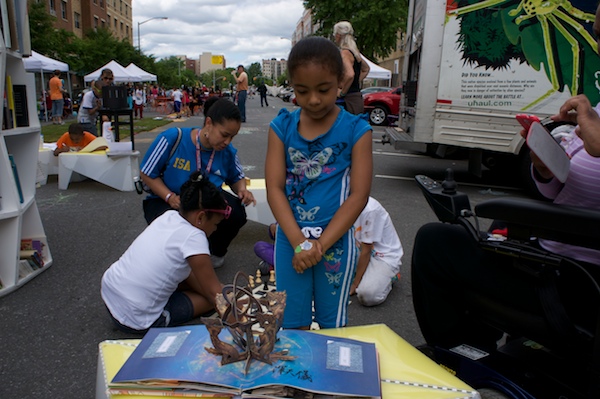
74, 140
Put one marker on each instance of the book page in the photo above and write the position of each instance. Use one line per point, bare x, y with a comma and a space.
320, 364
99, 144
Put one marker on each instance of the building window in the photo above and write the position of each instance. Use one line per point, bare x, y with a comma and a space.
121, 27
115, 24
77, 20
53, 7
95, 22
63, 9
101, 3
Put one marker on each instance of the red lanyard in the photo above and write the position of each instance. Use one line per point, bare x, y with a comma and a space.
199, 156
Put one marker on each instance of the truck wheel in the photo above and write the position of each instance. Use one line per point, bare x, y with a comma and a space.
487, 393
378, 115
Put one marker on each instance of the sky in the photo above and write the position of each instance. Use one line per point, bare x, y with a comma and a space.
244, 31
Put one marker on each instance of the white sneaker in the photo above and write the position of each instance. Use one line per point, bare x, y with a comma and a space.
217, 261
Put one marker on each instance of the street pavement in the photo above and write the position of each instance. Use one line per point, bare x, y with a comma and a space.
51, 326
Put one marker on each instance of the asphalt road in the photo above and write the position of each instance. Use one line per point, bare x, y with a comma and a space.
51, 327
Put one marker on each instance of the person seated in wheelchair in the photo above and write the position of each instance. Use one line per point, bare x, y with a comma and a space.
449, 265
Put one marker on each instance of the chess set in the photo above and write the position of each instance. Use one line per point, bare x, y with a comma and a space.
260, 285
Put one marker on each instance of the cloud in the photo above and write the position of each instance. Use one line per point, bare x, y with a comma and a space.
244, 31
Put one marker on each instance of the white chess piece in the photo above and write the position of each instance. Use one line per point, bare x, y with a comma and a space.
258, 275
272, 277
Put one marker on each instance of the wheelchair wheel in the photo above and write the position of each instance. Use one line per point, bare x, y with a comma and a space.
487, 393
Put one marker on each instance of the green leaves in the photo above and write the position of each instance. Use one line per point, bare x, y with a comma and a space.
376, 23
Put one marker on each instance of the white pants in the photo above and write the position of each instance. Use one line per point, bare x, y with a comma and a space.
376, 283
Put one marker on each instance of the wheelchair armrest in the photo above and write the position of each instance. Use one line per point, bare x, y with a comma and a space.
528, 218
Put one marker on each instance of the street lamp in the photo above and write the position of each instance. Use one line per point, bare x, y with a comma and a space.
141, 23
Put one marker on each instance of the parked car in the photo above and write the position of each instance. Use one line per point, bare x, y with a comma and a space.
382, 104
374, 89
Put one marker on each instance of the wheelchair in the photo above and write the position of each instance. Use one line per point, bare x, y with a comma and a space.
551, 354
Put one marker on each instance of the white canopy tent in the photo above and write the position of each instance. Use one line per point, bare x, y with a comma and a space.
136, 70
120, 73
378, 72
42, 64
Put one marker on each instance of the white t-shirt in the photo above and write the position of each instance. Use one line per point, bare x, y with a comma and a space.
87, 102
177, 95
136, 287
374, 226
139, 97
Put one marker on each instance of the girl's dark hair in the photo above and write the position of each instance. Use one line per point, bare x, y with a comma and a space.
220, 110
199, 193
315, 50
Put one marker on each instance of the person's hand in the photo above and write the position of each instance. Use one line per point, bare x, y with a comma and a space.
353, 288
305, 259
174, 201
246, 197
62, 148
579, 110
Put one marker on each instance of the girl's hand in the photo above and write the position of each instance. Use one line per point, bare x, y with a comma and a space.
246, 197
304, 259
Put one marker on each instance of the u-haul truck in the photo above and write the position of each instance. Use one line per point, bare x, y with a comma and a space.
471, 66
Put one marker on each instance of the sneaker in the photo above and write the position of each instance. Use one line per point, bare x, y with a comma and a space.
217, 261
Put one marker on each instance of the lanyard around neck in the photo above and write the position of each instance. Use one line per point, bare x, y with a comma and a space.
199, 155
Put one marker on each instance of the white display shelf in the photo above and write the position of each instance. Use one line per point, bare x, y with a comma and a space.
19, 144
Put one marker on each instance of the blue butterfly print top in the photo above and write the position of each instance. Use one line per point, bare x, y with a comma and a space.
318, 171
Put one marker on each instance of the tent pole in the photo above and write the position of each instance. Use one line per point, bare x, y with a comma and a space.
45, 96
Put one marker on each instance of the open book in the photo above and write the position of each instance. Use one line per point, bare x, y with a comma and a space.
98, 144
173, 360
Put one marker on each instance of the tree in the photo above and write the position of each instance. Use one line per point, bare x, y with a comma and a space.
376, 22
45, 39
254, 70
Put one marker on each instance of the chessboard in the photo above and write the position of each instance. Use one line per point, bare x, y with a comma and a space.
260, 284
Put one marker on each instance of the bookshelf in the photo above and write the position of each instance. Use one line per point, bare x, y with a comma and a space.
20, 220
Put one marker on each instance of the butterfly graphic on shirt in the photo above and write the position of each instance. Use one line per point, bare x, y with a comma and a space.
307, 168
307, 215
311, 165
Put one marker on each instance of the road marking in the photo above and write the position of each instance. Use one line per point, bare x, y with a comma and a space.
400, 154
489, 187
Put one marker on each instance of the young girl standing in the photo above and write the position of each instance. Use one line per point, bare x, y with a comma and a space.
318, 175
